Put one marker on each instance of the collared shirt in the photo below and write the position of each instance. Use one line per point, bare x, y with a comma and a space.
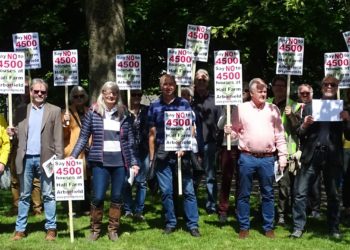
208, 115
156, 114
260, 130
34, 130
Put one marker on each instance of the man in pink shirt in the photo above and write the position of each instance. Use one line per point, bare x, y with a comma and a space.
259, 129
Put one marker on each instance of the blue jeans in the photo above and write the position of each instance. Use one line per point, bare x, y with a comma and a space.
32, 169
101, 177
164, 172
303, 182
264, 167
346, 179
210, 175
141, 188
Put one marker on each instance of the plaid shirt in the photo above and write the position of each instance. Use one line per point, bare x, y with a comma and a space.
156, 114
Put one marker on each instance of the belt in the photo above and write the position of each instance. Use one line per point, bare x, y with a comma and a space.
32, 155
322, 148
258, 155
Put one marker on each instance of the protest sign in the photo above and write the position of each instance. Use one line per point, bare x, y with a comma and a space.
12, 72
346, 36
227, 77
69, 179
178, 130
337, 64
128, 71
327, 110
180, 65
197, 40
290, 54
29, 44
65, 67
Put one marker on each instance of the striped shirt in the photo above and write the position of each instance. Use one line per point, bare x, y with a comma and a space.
112, 155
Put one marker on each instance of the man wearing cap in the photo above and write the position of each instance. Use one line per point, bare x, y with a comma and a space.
208, 115
322, 149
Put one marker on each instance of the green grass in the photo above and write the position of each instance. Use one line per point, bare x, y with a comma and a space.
148, 235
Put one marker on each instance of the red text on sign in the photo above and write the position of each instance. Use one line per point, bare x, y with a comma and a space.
178, 122
228, 76
63, 60
129, 64
198, 35
183, 59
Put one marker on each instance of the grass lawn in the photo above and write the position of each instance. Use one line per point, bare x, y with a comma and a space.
148, 235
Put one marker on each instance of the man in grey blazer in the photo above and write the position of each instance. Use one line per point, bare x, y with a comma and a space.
39, 138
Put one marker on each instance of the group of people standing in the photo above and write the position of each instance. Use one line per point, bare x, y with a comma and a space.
279, 129
116, 142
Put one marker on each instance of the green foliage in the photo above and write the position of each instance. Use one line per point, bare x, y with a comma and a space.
152, 26
148, 235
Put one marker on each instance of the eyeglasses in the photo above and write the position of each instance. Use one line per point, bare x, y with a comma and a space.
304, 93
110, 93
43, 92
136, 95
78, 96
330, 84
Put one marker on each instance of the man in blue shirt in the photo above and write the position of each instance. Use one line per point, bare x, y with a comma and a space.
40, 136
165, 161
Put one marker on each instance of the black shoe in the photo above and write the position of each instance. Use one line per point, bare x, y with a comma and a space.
195, 233
211, 211
139, 217
223, 218
168, 230
281, 221
296, 234
335, 235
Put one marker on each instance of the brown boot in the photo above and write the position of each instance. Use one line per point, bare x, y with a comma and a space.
114, 218
96, 215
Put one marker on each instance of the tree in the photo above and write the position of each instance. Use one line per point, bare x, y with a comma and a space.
105, 26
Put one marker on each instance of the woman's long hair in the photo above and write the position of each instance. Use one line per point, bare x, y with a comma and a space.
101, 106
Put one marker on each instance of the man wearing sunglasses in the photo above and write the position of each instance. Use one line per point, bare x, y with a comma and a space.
39, 138
322, 149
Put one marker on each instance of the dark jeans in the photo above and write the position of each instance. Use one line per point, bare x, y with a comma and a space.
229, 165
314, 197
101, 177
165, 173
303, 182
248, 165
346, 179
285, 193
137, 203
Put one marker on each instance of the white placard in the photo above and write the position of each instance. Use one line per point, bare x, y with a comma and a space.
326, 110
65, 67
69, 179
12, 72
178, 130
278, 173
346, 36
290, 54
29, 44
197, 40
128, 71
180, 65
228, 84
223, 57
337, 64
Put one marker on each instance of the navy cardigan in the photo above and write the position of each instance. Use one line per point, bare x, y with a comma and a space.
93, 125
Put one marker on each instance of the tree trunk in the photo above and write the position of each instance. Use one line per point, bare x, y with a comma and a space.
105, 25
